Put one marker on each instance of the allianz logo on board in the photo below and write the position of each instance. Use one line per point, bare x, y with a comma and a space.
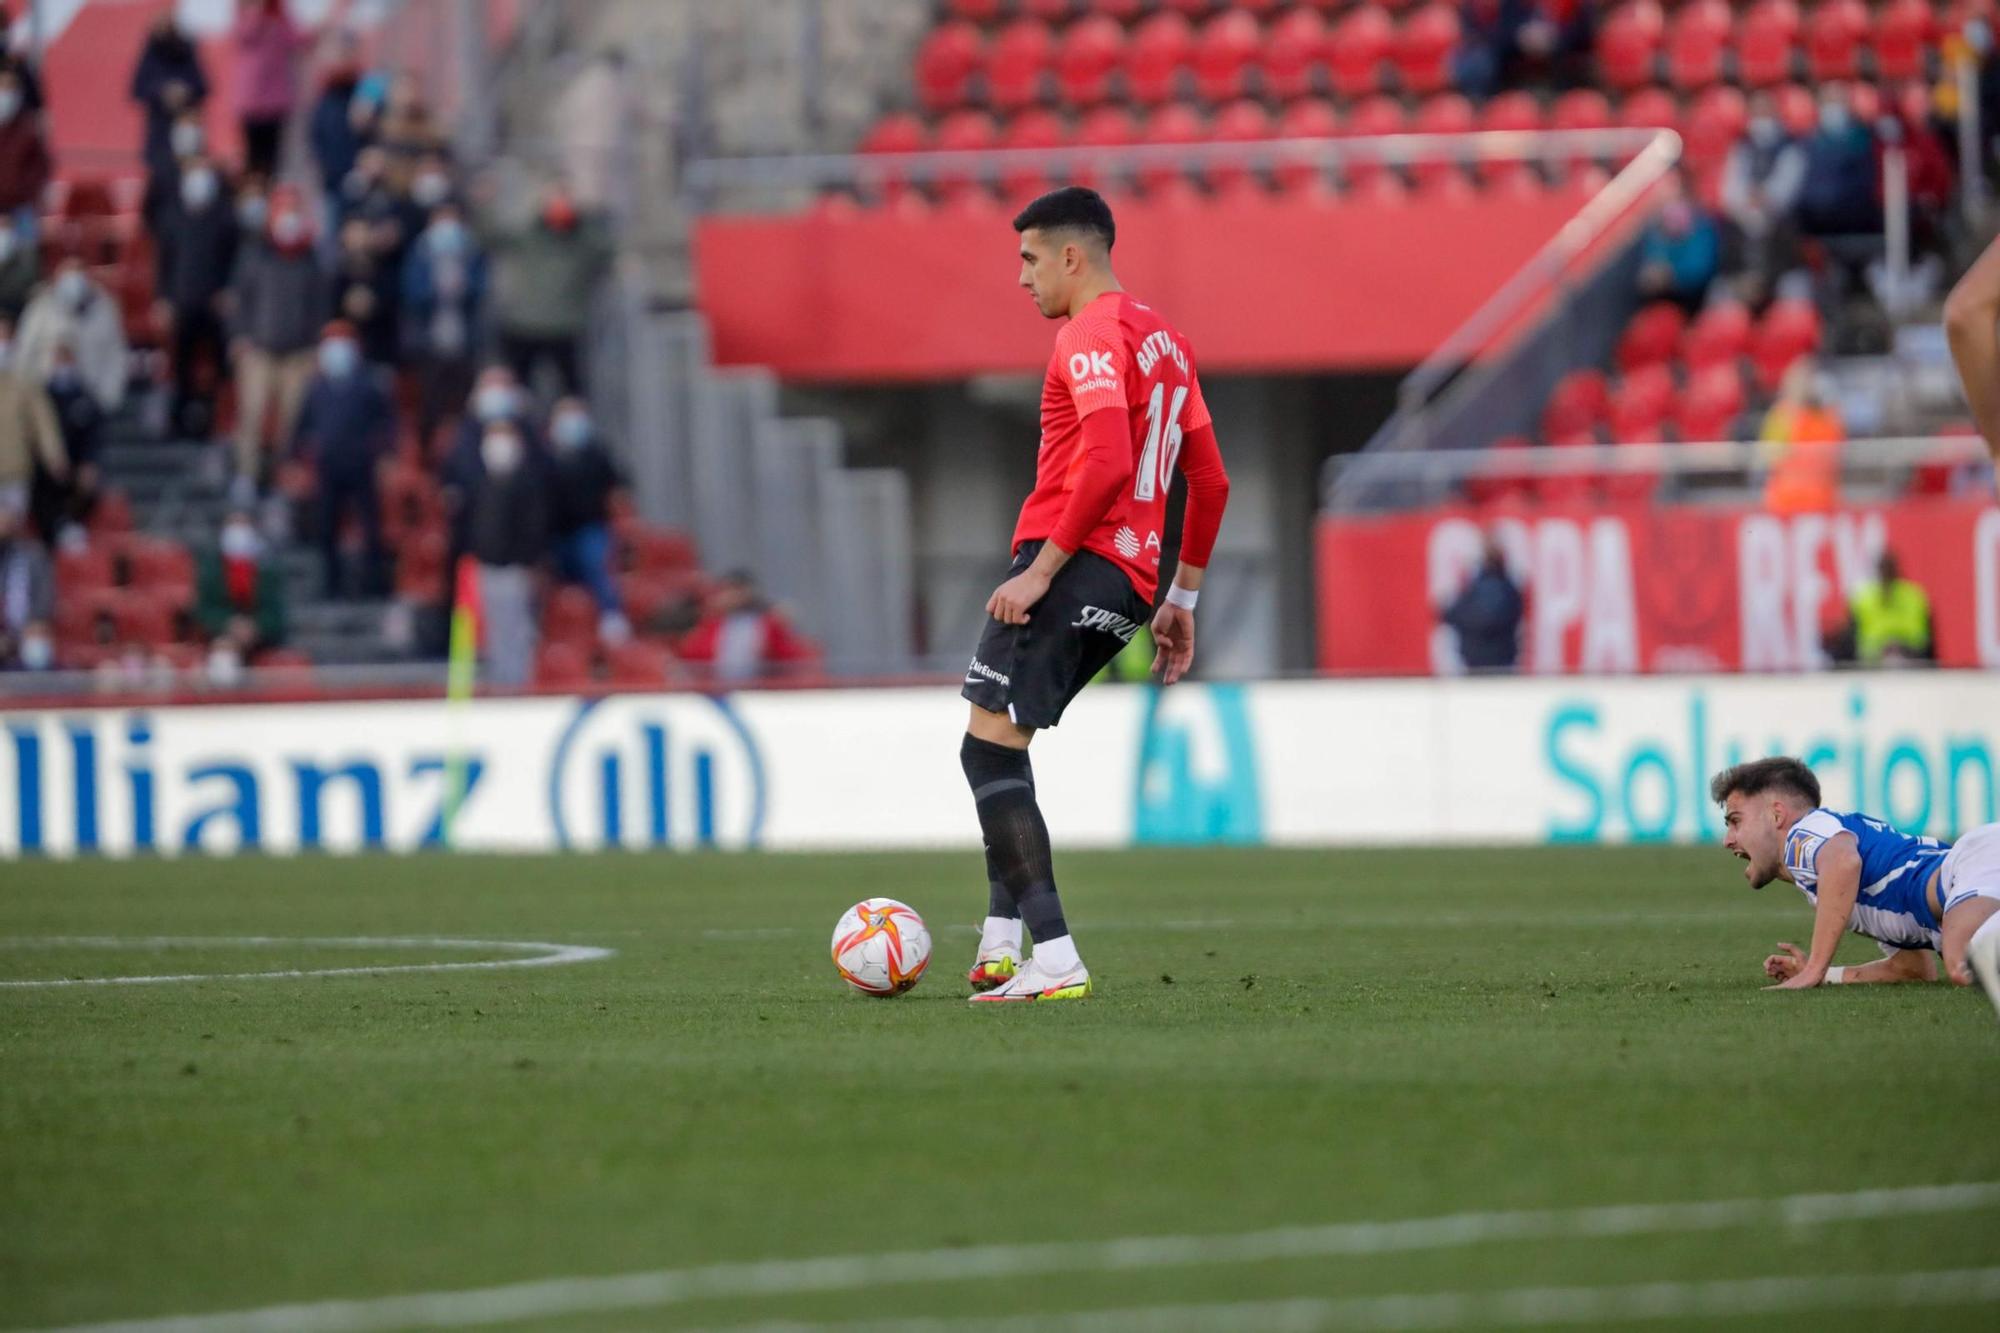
652, 772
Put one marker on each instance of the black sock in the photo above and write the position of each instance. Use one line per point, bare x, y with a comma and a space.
1020, 868
999, 898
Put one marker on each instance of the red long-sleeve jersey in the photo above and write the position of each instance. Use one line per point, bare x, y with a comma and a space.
1102, 477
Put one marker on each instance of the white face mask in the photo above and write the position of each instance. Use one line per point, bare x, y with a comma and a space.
225, 665
571, 430
492, 402
289, 229
10, 103
430, 189
187, 140
338, 357
73, 288
9, 243
251, 211
38, 653
501, 452
198, 188
241, 542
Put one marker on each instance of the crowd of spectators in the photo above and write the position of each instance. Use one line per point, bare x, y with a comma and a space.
361, 303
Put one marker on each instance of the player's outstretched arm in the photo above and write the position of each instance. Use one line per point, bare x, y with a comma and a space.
1902, 965
1839, 867
1971, 314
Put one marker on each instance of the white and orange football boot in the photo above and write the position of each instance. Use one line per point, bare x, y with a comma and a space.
1032, 983
995, 967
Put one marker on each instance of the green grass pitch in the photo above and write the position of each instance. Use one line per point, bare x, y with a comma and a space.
1279, 1038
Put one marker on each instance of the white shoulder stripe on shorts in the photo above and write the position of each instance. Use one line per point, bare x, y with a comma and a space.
557, 1297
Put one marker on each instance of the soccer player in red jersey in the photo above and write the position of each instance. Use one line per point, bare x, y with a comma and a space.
1121, 409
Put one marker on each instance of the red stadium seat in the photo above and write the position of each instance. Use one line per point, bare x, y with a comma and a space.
146, 617
1650, 108
1239, 122
1715, 122
1651, 337
1709, 408
1902, 32
1424, 46
945, 64
1583, 109
1789, 330
1106, 127
83, 571
1640, 405
1310, 119
570, 616
1577, 405
1572, 487
113, 513
1293, 55
1628, 42
638, 665
1834, 33
420, 573
1697, 41
1018, 64
1865, 101
642, 549
895, 133
1225, 49
1516, 113
1377, 116
1718, 336
1158, 58
1797, 108
1048, 11
562, 666
1176, 124
1034, 129
1764, 42
1506, 484
1356, 49
961, 132
1447, 113
1091, 50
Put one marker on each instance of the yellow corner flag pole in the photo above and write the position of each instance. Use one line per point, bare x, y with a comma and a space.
460, 678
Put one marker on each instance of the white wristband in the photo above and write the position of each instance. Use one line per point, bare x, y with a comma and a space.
1184, 598
1834, 976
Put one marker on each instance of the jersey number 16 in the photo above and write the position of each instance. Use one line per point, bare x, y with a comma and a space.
1156, 468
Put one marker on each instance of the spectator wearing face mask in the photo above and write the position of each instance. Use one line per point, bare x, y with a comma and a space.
71, 309
582, 478
63, 500
167, 83
29, 435
239, 590
27, 592
374, 194
496, 397
741, 636
1760, 195
341, 125
507, 536
186, 139
253, 206
196, 255
24, 159
280, 300
1680, 254
544, 276
1931, 175
269, 48
365, 294
347, 425
16, 62
407, 131
444, 299
1838, 195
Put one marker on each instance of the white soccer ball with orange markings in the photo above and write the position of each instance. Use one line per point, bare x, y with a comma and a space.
881, 947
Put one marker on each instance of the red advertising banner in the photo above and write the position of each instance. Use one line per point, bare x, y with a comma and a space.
1259, 284
1653, 588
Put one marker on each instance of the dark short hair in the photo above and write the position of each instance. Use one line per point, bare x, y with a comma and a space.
1072, 208
1778, 773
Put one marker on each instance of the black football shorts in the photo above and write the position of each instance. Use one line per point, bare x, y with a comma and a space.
1030, 672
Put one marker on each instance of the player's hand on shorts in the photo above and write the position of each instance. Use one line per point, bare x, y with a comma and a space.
1173, 637
1785, 965
1011, 601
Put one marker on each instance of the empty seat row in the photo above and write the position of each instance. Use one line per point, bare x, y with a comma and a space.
1772, 41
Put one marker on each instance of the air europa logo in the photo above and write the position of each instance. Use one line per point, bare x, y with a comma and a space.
1084, 365
661, 771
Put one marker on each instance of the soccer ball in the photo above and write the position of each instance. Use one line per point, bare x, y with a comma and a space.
881, 947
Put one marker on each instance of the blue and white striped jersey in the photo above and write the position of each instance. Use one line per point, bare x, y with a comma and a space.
1894, 869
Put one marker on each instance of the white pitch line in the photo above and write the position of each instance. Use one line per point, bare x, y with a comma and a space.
1512, 1307
544, 955
557, 1297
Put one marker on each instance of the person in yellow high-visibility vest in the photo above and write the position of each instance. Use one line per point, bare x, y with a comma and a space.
1892, 618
